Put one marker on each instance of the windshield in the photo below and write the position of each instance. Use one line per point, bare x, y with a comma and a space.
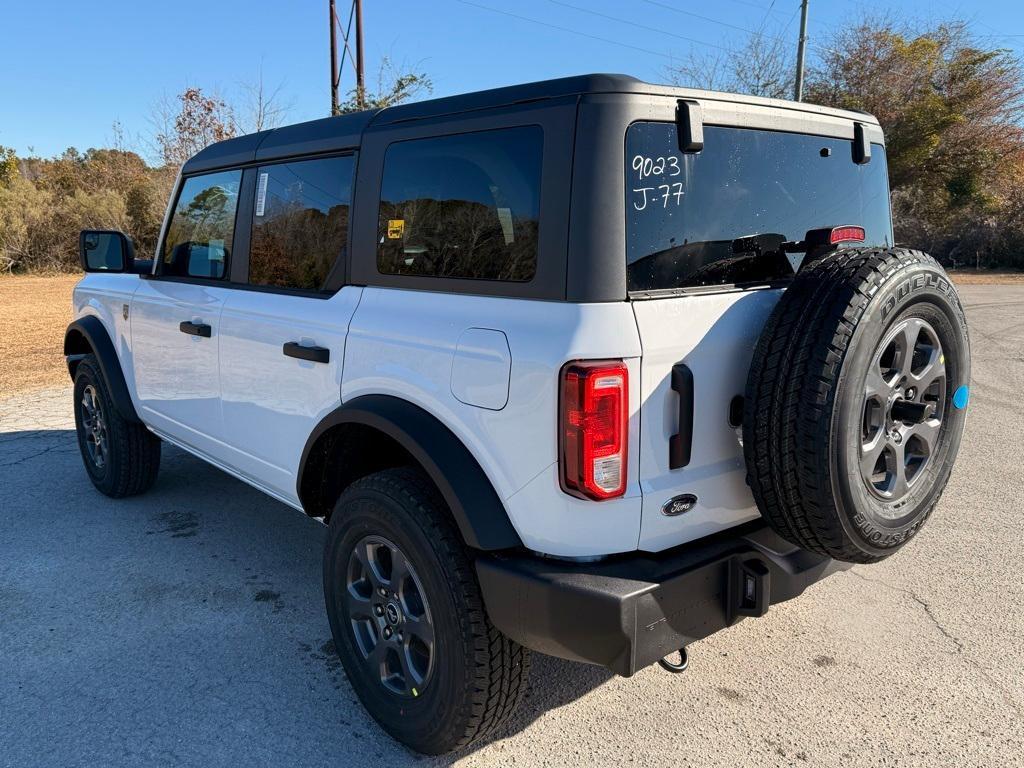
720, 216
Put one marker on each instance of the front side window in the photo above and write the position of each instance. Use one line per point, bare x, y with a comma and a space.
199, 236
462, 206
720, 216
300, 222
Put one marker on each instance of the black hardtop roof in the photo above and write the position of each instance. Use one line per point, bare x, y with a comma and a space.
345, 131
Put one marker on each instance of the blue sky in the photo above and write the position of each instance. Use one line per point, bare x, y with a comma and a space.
69, 70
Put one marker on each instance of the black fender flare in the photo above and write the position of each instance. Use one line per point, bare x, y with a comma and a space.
478, 511
91, 328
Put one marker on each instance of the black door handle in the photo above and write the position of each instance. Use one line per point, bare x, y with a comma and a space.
681, 443
196, 329
313, 354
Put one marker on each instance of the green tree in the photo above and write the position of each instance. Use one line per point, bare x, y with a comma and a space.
953, 114
8, 166
395, 85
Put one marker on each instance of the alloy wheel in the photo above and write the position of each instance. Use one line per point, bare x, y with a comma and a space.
94, 427
389, 616
904, 402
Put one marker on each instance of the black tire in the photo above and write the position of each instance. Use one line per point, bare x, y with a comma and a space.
822, 446
129, 460
476, 676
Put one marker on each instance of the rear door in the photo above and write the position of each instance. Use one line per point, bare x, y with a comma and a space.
283, 329
705, 267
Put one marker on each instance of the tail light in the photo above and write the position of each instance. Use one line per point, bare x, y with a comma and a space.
846, 234
594, 428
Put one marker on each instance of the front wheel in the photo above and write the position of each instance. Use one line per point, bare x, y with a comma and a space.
408, 620
121, 457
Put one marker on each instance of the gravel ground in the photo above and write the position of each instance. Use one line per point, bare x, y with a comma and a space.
186, 627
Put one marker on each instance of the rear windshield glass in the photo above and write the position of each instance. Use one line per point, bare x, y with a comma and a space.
719, 217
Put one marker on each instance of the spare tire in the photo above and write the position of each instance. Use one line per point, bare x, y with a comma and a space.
855, 401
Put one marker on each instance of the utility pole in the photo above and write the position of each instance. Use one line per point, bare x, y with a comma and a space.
360, 72
335, 74
798, 88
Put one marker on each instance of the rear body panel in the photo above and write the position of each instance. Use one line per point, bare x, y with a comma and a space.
714, 336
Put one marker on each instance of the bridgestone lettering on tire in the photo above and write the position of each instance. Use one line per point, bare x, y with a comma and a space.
852, 414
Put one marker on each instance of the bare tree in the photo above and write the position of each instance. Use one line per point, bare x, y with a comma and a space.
761, 66
263, 107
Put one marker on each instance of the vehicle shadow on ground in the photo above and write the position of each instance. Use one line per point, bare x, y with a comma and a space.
225, 581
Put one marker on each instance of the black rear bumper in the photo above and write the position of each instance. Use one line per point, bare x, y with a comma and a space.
627, 612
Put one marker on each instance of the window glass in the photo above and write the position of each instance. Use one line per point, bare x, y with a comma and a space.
199, 236
300, 222
720, 216
462, 206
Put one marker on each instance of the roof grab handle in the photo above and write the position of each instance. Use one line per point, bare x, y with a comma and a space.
861, 145
689, 126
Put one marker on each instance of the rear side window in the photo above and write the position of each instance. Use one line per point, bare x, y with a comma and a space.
300, 222
463, 206
720, 216
202, 226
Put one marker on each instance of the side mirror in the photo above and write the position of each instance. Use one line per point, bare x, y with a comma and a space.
104, 250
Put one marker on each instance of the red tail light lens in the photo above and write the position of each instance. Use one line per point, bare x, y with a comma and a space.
594, 428
846, 234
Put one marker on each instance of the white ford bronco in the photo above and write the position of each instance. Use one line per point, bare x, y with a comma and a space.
588, 367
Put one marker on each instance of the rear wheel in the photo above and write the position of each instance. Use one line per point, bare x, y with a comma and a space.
408, 620
855, 402
121, 457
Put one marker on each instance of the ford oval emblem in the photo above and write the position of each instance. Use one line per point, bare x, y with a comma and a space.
679, 504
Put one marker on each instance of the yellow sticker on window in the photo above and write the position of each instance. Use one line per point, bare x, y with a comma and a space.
396, 228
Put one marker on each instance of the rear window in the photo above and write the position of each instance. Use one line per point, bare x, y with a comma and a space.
463, 206
719, 217
300, 222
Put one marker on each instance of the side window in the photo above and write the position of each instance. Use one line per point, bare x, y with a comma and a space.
199, 236
464, 206
300, 222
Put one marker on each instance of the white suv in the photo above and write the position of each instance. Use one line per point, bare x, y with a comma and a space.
590, 367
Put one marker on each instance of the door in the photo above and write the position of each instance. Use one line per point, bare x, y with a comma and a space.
282, 336
175, 315
711, 239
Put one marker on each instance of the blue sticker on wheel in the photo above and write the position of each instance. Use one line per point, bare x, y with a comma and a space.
961, 396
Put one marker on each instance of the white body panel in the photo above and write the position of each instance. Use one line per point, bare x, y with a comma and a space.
714, 335
105, 297
177, 376
271, 403
486, 367
403, 343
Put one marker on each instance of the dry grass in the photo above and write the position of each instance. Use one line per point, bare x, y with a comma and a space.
985, 277
34, 313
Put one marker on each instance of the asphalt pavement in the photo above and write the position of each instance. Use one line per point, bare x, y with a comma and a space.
186, 627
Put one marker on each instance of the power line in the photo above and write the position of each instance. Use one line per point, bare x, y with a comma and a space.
584, 34
711, 20
618, 20
764, 21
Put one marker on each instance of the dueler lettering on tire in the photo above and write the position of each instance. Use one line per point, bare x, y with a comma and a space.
930, 279
850, 425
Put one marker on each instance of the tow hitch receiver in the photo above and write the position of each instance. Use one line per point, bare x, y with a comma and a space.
749, 588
